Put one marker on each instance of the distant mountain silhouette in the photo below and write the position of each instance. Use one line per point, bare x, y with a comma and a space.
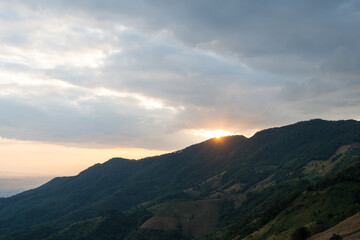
233, 185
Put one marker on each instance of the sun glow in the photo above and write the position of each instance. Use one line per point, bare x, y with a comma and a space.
212, 134
46, 159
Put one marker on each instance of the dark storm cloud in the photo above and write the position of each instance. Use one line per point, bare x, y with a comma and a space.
207, 64
246, 28
293, 37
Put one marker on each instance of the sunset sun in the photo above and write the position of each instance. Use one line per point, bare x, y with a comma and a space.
212, 133
179, 119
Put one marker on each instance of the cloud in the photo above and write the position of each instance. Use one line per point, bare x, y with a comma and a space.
60, 112
147, 73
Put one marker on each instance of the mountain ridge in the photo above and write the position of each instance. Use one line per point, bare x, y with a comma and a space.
122, 184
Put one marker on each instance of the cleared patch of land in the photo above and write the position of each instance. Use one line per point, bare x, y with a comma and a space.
262, 183
161, 223
348, 229
194, 217
322, 167
215, 181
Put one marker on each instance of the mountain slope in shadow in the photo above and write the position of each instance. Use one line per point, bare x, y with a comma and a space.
277, 155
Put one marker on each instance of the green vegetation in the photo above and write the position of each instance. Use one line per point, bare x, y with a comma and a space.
278, 183
301, 233
335, 237
322, 206
111, 225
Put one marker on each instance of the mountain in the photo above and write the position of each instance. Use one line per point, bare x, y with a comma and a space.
15, 185
321, 206
222, 188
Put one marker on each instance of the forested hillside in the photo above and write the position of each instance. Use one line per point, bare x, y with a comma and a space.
232, 187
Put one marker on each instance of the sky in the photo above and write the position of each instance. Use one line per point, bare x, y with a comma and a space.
84, 81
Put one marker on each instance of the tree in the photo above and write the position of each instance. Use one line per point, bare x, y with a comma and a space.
300, 233
336, 237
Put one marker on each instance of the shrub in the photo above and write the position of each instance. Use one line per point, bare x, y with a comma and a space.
335, 237
300, 233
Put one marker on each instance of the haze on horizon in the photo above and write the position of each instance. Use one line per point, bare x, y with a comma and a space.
84, 81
